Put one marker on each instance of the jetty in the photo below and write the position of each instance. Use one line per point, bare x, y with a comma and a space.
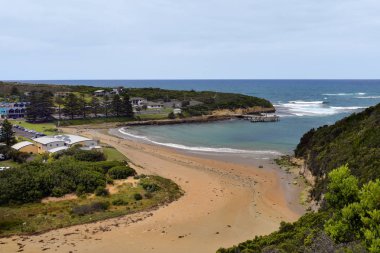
261, 118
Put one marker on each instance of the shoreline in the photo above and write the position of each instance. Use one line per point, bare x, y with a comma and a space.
224, 203
245, 158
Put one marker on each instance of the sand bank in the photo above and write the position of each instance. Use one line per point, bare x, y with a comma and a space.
224, 203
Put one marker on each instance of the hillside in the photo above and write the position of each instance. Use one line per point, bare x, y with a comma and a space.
192, 103
354, 140
345, 160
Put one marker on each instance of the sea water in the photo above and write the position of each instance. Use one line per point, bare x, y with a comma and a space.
301, 105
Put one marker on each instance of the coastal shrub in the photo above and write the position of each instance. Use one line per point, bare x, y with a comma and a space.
137, 196
17, 156
119, 202
90, 208
81, 155
101, 191
106, 165
35, 180
121, 172
148, 195
58, 192
90, 156
148, 186
80, 191
354, 140
349, 223
171, 115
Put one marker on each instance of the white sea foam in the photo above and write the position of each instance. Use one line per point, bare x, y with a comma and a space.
301, 102
368, 97
345, 94
202, 149
312, 108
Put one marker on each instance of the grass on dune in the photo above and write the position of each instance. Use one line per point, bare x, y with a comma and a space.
39, 217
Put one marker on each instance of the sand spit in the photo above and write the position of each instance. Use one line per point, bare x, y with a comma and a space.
224, 203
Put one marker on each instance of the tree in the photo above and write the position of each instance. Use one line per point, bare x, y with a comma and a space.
14, 91
106, 104
342, 189
95, 106
40, 107
127, 105
60, 102
171, 115
7, 134
72, 106
117, 105
83, 105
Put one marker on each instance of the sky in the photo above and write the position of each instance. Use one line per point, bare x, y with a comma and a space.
189, 39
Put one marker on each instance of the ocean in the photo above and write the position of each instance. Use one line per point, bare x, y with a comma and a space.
301, 105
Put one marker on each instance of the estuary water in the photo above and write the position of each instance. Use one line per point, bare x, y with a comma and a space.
301, 105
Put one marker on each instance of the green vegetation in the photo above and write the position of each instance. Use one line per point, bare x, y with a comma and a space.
40, 108
354, 140
6, 133
39, 217
121, 172
349, 217
45, 128
80, 106
113, 154
353, 228
87, 177
70, 122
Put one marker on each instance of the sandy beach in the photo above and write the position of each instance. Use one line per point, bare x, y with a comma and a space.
224, 203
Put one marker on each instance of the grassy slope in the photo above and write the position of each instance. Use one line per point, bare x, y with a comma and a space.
354, 140
113, 154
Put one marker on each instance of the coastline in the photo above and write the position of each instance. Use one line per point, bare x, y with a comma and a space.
225, 202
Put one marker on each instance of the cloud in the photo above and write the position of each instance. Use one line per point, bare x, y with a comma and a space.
157, 38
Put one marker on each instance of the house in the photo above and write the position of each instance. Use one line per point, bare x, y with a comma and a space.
71, 140
138, 101
155, 105
13, 110
61, 94
100, 93
46, 143
117, 91
26, 147
177, 111
53, 144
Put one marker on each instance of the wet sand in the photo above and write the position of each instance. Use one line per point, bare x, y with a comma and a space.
226, 201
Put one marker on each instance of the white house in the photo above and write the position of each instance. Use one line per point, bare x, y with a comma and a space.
177, 111
137, 101
153, 105
46, 143
71, 140
26, 147
58, 143
99, 93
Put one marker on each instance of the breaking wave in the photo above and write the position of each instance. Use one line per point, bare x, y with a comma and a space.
345, 94
312, 108
202, 149
368, 97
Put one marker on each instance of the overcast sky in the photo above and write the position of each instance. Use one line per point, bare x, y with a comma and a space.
189, 39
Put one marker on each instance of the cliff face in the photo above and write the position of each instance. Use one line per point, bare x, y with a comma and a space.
354, 140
